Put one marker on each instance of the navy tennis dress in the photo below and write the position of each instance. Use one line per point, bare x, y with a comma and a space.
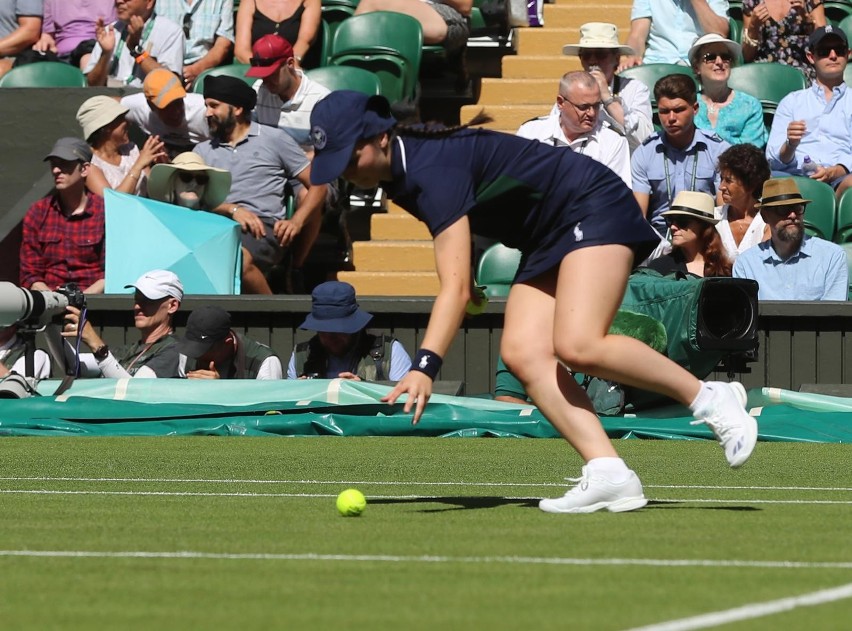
544, 201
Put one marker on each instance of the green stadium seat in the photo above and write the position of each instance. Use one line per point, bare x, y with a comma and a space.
496, 269
44, 74
649, 74
847, 247
846, 26
843, 232
386, 43
735, 27
820, 214
232, 70
837, 10
769, 82
346, 78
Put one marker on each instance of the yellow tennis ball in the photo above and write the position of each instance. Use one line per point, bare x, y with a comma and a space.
351, 503
473, 309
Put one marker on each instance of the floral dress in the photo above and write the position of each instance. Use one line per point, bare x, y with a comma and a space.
786, 41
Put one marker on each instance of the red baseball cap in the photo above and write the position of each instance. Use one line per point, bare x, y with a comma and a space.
268, 53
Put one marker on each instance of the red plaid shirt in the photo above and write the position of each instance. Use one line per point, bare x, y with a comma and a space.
57, 249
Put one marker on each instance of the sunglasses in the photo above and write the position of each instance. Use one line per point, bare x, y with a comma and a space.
710, 58
187, 177
839, 49
784, 211
264, 61
681, 221
187, 24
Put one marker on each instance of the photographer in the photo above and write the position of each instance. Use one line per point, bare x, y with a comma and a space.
157, 298
63, 233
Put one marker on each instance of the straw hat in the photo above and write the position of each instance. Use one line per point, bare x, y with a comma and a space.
782, 191
693, 204
714, 38
98, 112
598, 35
161, 180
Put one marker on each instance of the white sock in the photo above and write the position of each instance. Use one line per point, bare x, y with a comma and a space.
702, 399
613, 469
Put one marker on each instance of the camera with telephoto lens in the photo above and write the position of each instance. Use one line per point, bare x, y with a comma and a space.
76, 297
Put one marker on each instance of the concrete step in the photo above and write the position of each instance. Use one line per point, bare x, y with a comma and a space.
549, 41
392, 283
568, 14
539, 66
397, 256
519, 91
398, 227
505, 116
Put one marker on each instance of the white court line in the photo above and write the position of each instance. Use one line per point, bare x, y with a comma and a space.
754, 610
667, 500
414, 483
388, 558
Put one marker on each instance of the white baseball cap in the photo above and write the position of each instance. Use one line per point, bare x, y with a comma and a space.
158, 284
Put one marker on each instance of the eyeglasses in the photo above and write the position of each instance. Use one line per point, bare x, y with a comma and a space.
783, 211
186, 177
582, 107
839, 49
187, 24
264, 61
710, 58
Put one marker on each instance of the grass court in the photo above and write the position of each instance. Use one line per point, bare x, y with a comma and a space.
225, 533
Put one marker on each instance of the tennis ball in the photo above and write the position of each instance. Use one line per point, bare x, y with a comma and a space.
473, 309
351, 503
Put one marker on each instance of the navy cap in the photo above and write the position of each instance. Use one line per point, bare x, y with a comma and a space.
338, 122
822, 32
334, 310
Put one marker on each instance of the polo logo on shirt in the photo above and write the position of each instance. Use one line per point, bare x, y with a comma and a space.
578, 233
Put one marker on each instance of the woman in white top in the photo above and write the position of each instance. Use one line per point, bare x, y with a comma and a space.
743, 170
117, 163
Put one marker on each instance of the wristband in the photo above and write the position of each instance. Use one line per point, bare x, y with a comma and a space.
427, 362
142, 57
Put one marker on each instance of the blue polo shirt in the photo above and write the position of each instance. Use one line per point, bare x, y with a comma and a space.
689, 169
818, 271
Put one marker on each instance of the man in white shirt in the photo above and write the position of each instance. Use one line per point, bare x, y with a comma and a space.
576, 123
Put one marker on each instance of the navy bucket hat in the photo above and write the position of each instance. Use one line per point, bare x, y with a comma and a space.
334, 310
338, 122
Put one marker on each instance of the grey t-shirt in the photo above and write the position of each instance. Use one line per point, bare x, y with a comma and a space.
10, 10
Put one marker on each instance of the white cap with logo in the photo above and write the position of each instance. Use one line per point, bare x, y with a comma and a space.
158, 284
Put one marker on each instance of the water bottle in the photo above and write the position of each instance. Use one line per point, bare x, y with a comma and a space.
809, 166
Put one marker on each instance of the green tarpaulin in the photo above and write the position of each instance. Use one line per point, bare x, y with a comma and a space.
159, 407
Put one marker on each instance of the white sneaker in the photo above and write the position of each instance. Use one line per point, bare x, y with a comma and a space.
732, 425
594, 493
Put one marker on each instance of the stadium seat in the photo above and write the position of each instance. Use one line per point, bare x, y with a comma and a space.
649, 74
843, 232
820, 213
44, 74
847, 247
837, 10
735, 27
389, 44
346, 78
496, 269
335, 11
232, 70
846, 26
769, 82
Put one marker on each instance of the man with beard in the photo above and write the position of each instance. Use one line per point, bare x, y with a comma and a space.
576, 123
790, 265
260, 159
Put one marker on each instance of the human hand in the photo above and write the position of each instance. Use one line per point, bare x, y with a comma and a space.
603, 84
418, 386
135, 26
70, 328
795, 132
249, 222
629, 62
154, 150
761, 13
45, 43
286, 231
190, 73
349, 375
824, 174
105, 34
210, 373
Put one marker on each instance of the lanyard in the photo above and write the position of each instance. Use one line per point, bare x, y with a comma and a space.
146, 33
668, 178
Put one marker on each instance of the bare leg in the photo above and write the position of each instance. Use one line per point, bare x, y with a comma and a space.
841, 188
253, 280
434, 27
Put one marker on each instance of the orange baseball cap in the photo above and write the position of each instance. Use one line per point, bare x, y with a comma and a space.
162, 87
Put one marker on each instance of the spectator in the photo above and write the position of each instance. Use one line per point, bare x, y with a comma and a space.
444, 22
63, 233
342, 347
696, 246
256, 18
662, 31
69, 29
778, 31
13, 349
285, 94
577, 124
20, 27
680, 158
157, 298
743, 169
734, 116
260, 159
134, 45
165, 110
117, 163
208, 31
791, 265
222, 353
626, 102
189, 182
810, 131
